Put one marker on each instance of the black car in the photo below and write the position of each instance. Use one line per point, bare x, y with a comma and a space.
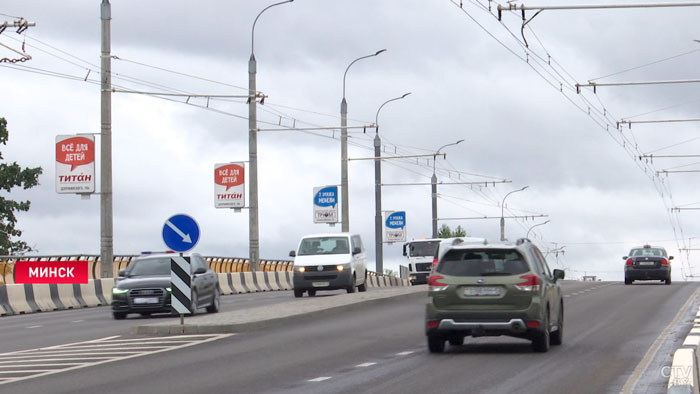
647, 263
144, 287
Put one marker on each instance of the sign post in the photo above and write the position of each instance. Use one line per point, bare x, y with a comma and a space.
181, 233
395, 226
326, 205
75, 164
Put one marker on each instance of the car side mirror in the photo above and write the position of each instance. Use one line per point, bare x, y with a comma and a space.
624, 257
670, 257
121, 273
200, 270
292, 253
357, 250
404, 250
558, 274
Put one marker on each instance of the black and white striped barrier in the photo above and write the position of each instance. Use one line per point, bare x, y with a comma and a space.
28, 298
684, 373
181, 284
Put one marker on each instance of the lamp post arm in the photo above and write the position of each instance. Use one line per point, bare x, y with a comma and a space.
353, 62
252, 32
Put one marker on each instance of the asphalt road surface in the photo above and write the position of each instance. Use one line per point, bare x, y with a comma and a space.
381, 348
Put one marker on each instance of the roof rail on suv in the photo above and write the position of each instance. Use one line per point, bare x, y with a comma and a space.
521, 241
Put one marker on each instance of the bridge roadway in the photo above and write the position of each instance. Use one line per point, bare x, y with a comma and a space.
377, 348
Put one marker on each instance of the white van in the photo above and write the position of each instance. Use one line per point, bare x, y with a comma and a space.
329, 262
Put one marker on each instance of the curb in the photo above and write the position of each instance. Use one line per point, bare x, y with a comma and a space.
264, 316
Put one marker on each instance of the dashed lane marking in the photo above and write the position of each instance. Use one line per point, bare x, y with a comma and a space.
365, 365
28, 364
319, 379
404, 353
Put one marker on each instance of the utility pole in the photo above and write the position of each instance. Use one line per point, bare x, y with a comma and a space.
106, 211
253, 228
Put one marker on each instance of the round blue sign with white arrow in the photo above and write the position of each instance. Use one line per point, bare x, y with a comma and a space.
180, 233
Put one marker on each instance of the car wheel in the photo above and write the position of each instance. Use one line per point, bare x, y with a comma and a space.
298, 293
436, 343
456, 341
119, 315
351, 288
668, 280
541, 340
628, 281
216, 302
312, 293
363, 286
193, 303
557, 337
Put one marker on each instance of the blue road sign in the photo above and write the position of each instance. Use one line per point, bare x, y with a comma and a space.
396, 220
180, 233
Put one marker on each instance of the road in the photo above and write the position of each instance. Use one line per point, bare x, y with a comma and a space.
380, 349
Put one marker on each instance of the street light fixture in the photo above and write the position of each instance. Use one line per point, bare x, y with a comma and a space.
527, 235
378, 246
344, 192
433, 183
503, 221
253, 229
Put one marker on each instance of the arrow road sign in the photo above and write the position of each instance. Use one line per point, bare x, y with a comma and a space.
180, 233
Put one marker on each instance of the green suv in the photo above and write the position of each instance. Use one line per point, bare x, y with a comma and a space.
490, 290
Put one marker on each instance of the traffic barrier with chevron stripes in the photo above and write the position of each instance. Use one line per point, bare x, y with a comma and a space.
28, 298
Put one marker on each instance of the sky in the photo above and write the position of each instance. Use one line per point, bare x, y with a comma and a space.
510, 95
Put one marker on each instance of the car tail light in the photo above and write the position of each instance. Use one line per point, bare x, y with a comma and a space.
532, 283
434, 283
629, 262
664, 262
435, 261
432, 323
533, 324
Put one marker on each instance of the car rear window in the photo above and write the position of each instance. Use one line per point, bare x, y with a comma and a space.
482, 262
648, 252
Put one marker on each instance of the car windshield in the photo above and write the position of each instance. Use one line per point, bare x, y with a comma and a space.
150, 267
324, 245
423, 248
647, 252
482, 262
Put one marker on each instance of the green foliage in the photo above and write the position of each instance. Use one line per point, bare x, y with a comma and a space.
446, 232
390, 272
12, 175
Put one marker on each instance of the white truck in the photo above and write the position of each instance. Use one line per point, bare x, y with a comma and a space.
420, 253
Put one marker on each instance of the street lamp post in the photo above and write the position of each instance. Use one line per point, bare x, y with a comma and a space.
378, 246
433, 184
253, 229
527, 235
344, 192
503, 221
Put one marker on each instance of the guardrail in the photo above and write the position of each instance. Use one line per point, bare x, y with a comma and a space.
684, 373
220, 265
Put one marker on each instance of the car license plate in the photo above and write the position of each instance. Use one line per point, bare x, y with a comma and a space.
482, 291
146, 300
646, 263
321, 284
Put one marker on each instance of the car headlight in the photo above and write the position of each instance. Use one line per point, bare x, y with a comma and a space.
119, 291
301, 269
341, 267
169, 289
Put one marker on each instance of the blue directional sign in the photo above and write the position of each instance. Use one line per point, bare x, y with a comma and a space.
395, 227
396, 220
326, 204
180, 233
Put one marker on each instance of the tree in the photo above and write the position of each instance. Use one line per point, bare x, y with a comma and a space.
446, 232
12, 175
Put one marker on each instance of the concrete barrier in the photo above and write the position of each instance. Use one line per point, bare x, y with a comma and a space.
682, 379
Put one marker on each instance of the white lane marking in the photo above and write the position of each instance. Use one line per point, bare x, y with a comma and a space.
566, 296
404, 353
633, 380
365, 365
35, 326
77, 321
58, 353
320, 379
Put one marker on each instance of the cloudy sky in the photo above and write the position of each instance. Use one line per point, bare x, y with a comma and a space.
471, 77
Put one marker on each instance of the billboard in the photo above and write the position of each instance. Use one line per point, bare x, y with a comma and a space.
229, 185
75, 164
326, 204
395, 226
